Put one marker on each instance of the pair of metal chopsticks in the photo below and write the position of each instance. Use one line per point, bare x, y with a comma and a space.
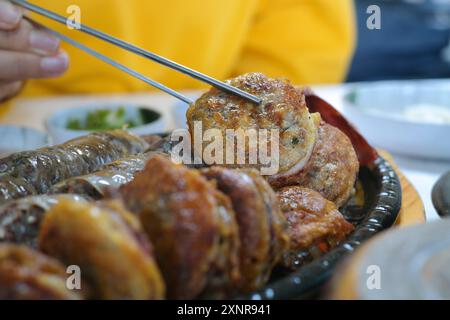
134, 49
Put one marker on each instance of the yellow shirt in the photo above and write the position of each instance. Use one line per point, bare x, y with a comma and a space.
307, 41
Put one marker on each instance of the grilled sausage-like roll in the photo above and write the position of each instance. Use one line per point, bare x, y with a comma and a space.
14, 188
20, 219
191, 225
108, 179
107, 243
314, 224
26, 274
45, 167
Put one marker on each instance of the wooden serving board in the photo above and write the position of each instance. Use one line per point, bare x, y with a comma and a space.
413, 210
343, 284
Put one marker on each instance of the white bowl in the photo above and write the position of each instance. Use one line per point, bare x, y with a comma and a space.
402, 116
57, 123
16, 139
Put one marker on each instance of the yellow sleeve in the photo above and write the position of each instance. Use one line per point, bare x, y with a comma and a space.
306, 41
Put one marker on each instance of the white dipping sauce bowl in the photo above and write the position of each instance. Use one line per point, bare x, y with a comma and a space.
388, 114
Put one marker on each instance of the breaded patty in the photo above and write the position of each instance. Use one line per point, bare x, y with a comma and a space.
191, 225
261, 224
108, 244
283, 108
314, 224
224, 274
278, 224
26, 274
332, 169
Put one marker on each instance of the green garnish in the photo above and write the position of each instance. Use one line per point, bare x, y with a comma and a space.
295, 141
104, 119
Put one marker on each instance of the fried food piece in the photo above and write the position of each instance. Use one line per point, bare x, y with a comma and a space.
107, 243
189, 224
261, 224
282, 108
224, 274
26, 274
332, 169
279, 243
254, 226
20, 219
315, 224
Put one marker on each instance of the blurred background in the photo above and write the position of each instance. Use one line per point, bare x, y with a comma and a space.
410, 118
413, 42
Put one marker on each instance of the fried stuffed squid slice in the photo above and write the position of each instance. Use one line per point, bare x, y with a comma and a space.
191, 225
312, 152
332, 169
314, 225
26, 274
279, 243
20, 219
47, 166
107, 243
109, 179
283, 108
224, 273
261, 224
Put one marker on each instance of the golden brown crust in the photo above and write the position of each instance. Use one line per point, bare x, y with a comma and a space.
179, 211
283, 108
278, 225
108, 245
254, 228
224, 275
332, 169
26, 274
312, 221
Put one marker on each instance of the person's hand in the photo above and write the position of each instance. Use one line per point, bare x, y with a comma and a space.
25, 52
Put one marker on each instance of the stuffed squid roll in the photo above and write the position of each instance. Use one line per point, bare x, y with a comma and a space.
20, 219
47, 166
109, 178
14, 188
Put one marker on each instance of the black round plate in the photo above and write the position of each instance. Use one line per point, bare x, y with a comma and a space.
381, 205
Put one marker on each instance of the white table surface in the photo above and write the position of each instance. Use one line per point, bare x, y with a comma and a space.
33, 112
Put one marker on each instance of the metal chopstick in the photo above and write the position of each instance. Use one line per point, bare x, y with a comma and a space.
114, 63
149, 55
